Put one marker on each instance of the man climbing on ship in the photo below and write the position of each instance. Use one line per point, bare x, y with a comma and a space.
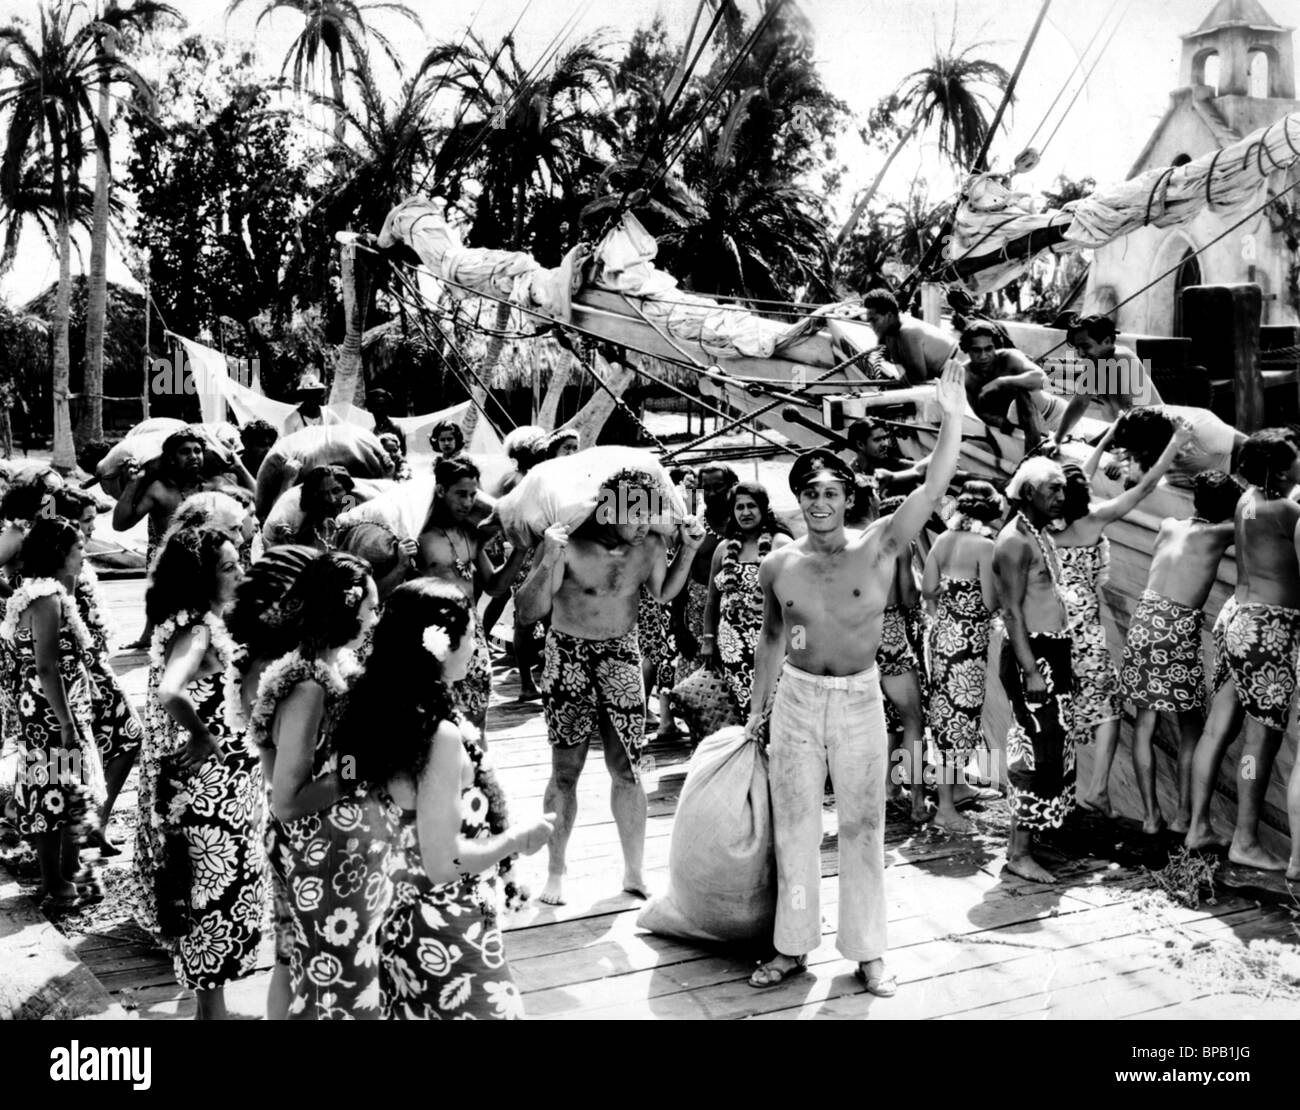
919, 351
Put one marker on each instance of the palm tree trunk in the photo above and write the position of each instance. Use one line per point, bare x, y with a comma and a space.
91, 424
65, 456
340, 122
349, 385
560, 378
870, 194
477, 394
592, 416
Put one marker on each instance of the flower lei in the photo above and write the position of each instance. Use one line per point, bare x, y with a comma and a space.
1047, 547
959, 522
29, 591
736, 545
219, 639
513, 894
274, 686
94, 610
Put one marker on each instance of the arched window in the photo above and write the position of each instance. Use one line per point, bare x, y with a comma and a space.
1259, 71
1189, 273
1205, 69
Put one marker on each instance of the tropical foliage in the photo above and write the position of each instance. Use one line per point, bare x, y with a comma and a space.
236, 183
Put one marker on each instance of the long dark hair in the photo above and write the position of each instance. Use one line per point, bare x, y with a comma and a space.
402, 685
1078, 493
185, 574
250, 621
323, 605
47, 545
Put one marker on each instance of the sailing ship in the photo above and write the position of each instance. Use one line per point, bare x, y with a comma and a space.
803, 380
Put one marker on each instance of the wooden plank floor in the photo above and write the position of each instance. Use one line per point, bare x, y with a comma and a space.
963, 942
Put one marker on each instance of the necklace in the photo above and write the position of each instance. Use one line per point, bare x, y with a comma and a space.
464, 567
1048, 550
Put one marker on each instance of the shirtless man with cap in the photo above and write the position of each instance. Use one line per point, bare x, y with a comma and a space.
824, 598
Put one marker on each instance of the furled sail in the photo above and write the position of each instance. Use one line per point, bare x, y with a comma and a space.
997, 232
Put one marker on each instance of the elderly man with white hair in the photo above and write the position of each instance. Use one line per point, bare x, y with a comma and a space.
1035, 667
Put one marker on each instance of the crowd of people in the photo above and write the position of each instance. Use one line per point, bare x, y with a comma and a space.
858, 654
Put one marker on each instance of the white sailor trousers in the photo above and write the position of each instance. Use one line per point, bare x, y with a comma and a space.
835, 724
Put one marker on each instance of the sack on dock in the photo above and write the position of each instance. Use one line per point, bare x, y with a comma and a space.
565, 491
721, 863
350, 446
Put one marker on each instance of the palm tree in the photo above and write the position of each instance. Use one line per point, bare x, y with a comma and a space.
115, 20
338, 29
950, 94
50, 113
529, 141
394, 142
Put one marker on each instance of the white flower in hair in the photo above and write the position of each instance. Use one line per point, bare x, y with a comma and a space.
436, 642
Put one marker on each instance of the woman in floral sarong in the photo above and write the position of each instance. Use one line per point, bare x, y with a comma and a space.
442, 954
200, 886
60, 779
733, 616
328, 844
116, 725
262, 638
1085, 556
959, 587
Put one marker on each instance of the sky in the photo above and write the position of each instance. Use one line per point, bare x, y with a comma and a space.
864, 47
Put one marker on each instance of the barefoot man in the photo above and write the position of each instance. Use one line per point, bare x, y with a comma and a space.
592, 689
1035, 667
1261, 637
450, 547
824, 600
1162, 671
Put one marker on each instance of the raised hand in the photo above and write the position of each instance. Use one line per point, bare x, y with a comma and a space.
951, 389
693, 532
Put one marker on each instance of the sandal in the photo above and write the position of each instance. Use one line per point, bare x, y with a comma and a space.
765, 975
882, 986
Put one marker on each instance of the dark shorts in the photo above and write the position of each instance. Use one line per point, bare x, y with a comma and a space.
1040, 752
587, 681
1162, 656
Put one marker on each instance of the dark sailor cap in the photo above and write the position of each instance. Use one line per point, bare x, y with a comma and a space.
808, 466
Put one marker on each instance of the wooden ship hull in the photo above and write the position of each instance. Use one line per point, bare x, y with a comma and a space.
996, 455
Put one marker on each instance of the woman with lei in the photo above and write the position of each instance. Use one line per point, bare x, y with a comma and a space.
261, 638
960, 589
1085, 557
115, 724
327, 843
60, 779
200, 887
22, 503
442, 954
733, 616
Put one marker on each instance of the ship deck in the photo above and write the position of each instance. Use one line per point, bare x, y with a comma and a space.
964, 940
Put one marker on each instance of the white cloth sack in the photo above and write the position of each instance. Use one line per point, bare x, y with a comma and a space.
722, 861
352, 447
144, 443
565, 490
285, 518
